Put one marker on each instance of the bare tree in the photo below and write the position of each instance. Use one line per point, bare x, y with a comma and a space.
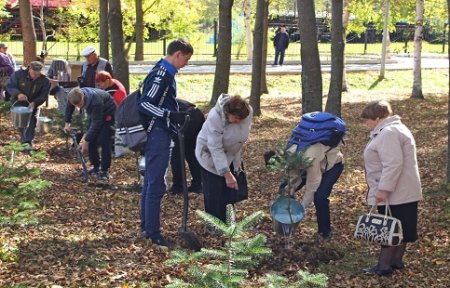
345, 21
255, 93
264, 89
28, 32
337, 59
384, 46
309, 51
247, 8
223, 62
119, 58
448, 105
104, 29
418, 35
139, 28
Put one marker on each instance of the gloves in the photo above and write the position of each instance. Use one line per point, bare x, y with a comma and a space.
178, 118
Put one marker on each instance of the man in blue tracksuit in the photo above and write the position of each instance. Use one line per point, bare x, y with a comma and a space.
161, 110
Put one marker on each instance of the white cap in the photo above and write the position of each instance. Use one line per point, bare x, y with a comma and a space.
87, 51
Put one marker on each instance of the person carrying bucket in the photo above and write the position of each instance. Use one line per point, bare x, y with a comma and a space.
319, 135
29, 87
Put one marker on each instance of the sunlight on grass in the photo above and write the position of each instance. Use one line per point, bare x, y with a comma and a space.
198, 88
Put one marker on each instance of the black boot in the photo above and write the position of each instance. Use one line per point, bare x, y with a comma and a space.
383, 268
397, 257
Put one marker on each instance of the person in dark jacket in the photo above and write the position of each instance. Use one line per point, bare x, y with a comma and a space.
29, 88
100, 108
91, 67
158, 105
190, 138
281, 43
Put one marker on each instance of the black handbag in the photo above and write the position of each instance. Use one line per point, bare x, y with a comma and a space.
379, 228
233, 195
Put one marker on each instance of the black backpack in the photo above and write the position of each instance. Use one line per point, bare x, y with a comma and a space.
131, 126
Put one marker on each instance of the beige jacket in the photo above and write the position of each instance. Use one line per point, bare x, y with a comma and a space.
391, 163
220, 143
324, 159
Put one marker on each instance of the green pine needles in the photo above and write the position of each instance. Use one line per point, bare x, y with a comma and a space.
20, 184
293, 163
228, 266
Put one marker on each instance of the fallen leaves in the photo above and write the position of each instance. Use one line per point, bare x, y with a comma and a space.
90, 236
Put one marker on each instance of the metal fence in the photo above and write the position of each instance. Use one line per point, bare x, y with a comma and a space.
204, 49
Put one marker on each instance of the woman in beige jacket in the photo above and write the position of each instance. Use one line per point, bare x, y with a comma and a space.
393, 177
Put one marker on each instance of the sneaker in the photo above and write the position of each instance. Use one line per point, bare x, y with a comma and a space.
103, 176
91, 172
28, 147
161, 241
398, 266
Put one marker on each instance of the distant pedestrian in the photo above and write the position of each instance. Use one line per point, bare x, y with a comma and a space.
281, 43
91, 67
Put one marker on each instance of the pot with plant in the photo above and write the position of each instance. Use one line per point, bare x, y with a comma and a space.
286, 211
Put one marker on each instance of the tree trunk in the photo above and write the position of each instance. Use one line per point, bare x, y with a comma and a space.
28, 33
223, 62
264, 89
255, 92
139, 54
385, 39
448, 103
248, 29
418, 35
309, 51
337, 59
345, 21
104, 35
119, 59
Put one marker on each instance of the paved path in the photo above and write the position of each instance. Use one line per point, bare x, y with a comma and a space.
395, 63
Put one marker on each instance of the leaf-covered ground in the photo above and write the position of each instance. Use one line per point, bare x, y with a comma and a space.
88, 236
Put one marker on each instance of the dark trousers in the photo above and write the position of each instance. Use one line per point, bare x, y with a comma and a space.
157, 154
102, 141
214, 189
279, 53
190, 139
321, 201
27, 134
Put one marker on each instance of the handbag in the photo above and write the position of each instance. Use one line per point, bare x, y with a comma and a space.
238, 195
378, 228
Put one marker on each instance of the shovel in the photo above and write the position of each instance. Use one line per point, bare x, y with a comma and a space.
80, 157
189, 237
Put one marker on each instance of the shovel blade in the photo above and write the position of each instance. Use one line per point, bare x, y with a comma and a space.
191, 240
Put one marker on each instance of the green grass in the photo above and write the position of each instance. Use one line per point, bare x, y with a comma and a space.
203, 51
198, 88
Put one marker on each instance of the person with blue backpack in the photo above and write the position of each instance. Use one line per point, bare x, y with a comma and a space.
318, 135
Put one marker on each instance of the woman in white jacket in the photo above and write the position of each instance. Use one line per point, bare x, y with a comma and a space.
392, 174
219, 150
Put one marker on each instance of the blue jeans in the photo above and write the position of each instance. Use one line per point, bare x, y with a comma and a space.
157, 155
321, 201
279, 53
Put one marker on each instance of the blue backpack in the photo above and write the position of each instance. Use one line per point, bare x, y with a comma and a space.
316, 127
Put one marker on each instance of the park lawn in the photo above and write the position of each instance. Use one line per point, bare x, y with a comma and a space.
89, 236
203, 50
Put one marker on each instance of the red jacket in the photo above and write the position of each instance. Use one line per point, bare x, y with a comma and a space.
117, 91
